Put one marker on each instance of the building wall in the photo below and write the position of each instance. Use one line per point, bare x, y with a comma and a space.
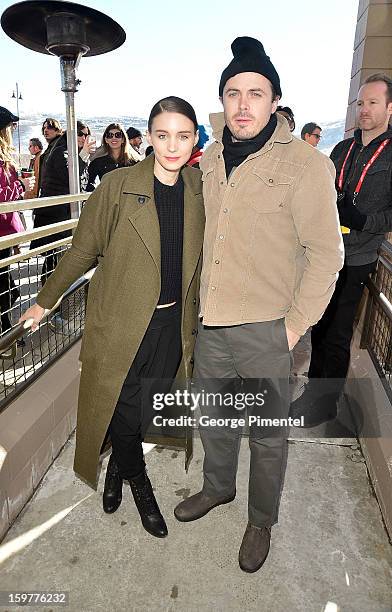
372, 53
372, 49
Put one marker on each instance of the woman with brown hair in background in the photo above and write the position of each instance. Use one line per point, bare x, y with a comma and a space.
114, 152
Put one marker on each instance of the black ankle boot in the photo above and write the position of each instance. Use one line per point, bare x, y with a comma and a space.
145, 501
112, 493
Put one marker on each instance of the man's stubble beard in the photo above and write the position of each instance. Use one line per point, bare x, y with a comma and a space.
244, 134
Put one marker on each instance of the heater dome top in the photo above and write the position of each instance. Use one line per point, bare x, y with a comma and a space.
28, 23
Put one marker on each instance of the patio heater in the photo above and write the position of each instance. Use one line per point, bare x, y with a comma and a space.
69, 31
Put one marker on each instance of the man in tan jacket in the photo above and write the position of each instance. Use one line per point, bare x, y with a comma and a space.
272, 251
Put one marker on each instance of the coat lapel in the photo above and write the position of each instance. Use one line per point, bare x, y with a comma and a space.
144, 219
193, 227
140, 184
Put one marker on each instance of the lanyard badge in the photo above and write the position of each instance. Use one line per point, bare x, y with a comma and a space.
364, 171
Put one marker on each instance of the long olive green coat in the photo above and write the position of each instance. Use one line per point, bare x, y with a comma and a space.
119, 232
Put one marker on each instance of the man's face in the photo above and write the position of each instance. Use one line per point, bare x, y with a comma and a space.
33, 149
49, 132
247, 104
136, 142
313, 138
373, 112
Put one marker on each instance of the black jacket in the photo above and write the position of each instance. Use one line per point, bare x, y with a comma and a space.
53, 180
100, 166
375, 198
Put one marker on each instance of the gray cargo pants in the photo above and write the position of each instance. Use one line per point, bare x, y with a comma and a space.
249, 351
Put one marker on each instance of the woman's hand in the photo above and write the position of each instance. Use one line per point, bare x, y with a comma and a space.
36, 313
89, 145
28, 182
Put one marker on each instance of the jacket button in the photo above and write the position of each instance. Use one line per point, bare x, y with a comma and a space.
217, 261
141, 200
194, 332
194, 300
270, 180
232, 184
219, 156
225, 210
191, 361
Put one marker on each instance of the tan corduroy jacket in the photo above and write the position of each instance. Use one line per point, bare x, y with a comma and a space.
272, 243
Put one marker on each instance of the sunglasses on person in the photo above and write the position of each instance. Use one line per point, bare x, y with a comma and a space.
81, 134
114, 135
318, 136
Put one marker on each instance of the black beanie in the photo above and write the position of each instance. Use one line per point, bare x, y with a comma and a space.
133, 133
249, 56
6, 117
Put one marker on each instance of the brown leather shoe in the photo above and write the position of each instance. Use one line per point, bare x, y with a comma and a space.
198, 505
254, 548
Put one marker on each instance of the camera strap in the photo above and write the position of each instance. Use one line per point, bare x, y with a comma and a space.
371, 161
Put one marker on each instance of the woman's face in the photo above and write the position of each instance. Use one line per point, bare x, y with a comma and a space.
173, 138
114, 138
83, 133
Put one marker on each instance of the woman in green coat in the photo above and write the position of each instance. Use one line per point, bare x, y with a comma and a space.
143, 229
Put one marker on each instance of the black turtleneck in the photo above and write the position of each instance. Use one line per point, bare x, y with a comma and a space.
169, 202
234, 153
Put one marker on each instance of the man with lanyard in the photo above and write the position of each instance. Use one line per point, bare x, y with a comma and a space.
364, 185
272, 250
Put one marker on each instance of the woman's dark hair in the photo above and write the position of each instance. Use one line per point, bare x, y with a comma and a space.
172, 104
80, 125
286, 109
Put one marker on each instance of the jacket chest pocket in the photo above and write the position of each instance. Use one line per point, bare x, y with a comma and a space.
268, 191
376, 188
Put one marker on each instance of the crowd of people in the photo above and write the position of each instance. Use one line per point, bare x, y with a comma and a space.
214, 273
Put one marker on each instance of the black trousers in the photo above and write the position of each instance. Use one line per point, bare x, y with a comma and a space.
51, 257
152, 371
9, 292
331, 337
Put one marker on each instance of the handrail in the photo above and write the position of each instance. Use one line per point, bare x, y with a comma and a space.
19, 329
387, 246
18, 205
380, 298
39, 232
13, 259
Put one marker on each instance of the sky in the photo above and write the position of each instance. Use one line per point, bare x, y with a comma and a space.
181, 48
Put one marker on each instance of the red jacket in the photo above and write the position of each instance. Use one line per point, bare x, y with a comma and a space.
195, 157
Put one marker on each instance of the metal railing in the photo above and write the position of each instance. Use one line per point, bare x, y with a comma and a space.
377, 329
25, 354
